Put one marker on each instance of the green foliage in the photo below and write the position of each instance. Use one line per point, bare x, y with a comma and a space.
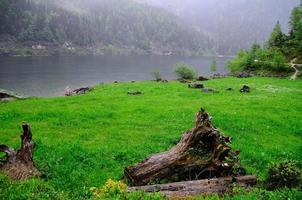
296, 23
240, 193
28, 189
258, 58
294, 42
102, 132
285, 174
184, 71
117, 190
270, 60
110, 189
239, 62
156, 75
277, 39
279, 50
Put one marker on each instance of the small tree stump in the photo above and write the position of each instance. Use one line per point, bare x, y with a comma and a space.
196, 86
245, 89
19, 164
202, 153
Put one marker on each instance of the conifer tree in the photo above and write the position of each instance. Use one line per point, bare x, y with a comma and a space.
277, 38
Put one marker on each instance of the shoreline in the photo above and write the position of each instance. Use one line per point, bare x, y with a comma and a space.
88, 54
48, 54
62, 94
12, 47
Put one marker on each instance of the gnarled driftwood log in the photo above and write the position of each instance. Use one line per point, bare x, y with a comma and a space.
6, 95
202, 153
19, 164
198, 187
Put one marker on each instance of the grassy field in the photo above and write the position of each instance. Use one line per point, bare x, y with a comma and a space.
84, 140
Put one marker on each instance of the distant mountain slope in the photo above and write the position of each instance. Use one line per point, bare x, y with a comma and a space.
124, 24
233, 24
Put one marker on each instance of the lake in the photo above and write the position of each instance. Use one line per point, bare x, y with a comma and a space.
49, 76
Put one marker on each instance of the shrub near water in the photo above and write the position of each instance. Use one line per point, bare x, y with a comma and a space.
259, 58
156, 75
184, 71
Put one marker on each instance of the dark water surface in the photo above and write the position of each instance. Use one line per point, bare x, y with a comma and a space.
49, 76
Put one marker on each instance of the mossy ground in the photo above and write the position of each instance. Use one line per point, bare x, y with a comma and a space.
82, 141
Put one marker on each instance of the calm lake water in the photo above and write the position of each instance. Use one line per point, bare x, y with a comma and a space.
49, 76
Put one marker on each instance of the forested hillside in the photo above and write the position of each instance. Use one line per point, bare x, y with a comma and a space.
98, 25
140, 26
232, 24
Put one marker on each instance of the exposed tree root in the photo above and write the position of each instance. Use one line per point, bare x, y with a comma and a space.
202, 153
19, 164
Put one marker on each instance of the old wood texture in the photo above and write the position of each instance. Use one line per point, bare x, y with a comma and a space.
198, 187
19, 164
202, 152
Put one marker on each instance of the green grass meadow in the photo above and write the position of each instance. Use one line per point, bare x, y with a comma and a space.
82, 141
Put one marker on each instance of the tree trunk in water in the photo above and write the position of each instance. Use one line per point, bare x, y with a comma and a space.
19, 164
202, 153
199, 187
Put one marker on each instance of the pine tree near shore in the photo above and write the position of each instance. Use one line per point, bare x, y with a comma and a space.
277, 38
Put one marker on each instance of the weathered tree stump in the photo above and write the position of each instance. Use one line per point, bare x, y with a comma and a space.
199, 187
202, 153
19, 164
245, 89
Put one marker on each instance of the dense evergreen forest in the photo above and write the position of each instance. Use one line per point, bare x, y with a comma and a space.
98, 25
192, 27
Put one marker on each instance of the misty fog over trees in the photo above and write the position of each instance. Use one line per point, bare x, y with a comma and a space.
150, 99
146, 26
232, 24
115, 23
